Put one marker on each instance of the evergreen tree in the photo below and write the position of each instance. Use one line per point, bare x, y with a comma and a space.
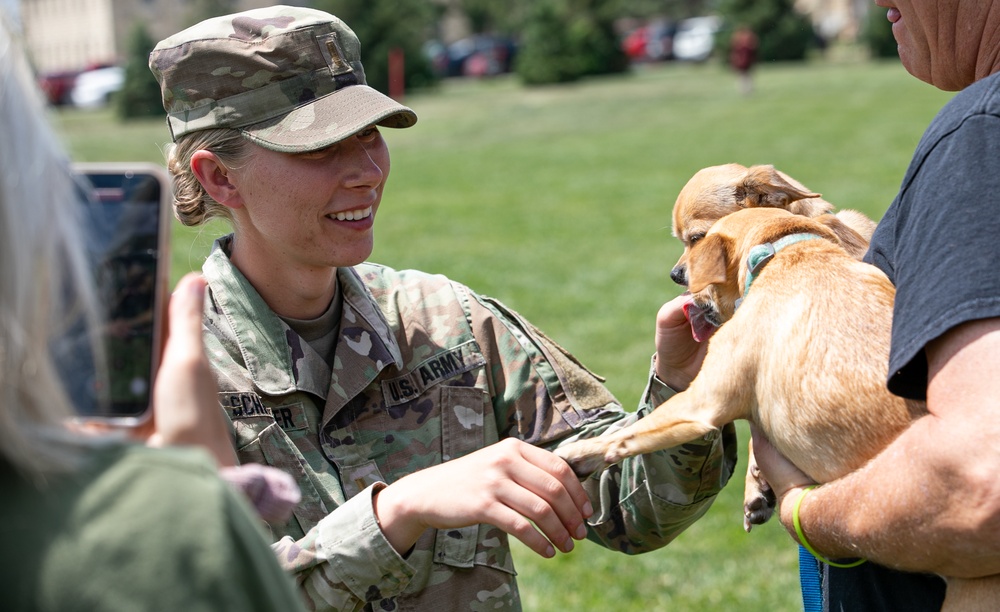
877, 34
384, 25
784, 33
490, 16
565, 40
593, 29
140, 93
547, 54
201, 10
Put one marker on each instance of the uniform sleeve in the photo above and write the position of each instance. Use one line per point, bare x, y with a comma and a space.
345, 561
647, 501
545, 396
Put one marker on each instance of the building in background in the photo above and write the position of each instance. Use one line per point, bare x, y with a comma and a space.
72, 35
836, 20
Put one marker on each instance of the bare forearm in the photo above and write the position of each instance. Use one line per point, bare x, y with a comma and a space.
917, 506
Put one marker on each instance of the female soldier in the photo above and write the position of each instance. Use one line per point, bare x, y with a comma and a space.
416, 415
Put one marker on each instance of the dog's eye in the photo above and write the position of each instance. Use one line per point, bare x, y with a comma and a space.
694, 238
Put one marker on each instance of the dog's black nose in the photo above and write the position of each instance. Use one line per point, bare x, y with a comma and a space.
679, 275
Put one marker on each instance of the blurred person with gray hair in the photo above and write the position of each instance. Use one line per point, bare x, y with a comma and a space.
90, 520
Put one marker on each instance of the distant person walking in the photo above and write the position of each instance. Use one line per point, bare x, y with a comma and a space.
743, 56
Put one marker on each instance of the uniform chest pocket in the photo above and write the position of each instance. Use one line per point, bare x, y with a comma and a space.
462, 421
467, 425
263, 436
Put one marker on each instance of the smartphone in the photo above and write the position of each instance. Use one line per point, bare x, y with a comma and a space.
126, 217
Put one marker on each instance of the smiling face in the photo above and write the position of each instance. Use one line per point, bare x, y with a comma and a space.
947, 43
309, 211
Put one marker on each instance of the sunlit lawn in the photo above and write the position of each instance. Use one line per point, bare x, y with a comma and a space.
557, 201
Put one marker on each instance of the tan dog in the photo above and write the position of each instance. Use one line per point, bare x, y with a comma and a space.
717, 191
811, 305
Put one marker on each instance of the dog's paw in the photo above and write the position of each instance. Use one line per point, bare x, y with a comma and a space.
758, 499
758, 510
585, 456
619, 449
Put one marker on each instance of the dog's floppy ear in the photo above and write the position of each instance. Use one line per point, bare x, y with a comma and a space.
707, 263
763, 186
851, 238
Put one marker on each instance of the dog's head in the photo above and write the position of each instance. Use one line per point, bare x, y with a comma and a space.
717, 265
715, 192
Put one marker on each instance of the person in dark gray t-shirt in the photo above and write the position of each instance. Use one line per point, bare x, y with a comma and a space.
930, 502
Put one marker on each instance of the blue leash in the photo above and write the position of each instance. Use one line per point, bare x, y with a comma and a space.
811, 581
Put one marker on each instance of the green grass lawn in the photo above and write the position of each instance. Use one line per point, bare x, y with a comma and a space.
557, 201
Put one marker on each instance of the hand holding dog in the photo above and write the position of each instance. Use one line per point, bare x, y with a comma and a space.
780, 474
678, 355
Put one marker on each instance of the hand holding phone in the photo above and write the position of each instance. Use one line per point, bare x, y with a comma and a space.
185, 397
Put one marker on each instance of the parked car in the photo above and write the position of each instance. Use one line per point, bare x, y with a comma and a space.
634, 44
650, 42
94, 88
480, 55
694, 39
660, 41
437, 54
57, 86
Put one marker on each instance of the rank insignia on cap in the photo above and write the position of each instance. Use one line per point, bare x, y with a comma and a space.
330, 48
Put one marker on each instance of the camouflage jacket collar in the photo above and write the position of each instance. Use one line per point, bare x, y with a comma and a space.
277, 360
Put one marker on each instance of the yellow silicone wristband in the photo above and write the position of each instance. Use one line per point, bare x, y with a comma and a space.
805, 542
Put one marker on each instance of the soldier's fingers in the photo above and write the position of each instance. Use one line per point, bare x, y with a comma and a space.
536, 490
553, 466
671, 315
542, 513
521, 528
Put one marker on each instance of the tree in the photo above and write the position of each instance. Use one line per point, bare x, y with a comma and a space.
384, 25
547, 55
593, 32
201, 10
496, 17
565, 40
672, 9
877, 35
140, 93
784, 33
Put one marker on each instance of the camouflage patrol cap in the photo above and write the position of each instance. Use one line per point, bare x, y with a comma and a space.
289, 78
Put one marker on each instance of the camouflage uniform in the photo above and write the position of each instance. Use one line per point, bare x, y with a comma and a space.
425, 371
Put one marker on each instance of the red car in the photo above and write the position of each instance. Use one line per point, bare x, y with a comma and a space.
57, 86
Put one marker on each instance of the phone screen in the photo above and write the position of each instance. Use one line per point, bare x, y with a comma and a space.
127, 227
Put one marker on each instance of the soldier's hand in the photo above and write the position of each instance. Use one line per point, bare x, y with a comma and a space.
678, 355
510, 485
185, 396
780, 473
